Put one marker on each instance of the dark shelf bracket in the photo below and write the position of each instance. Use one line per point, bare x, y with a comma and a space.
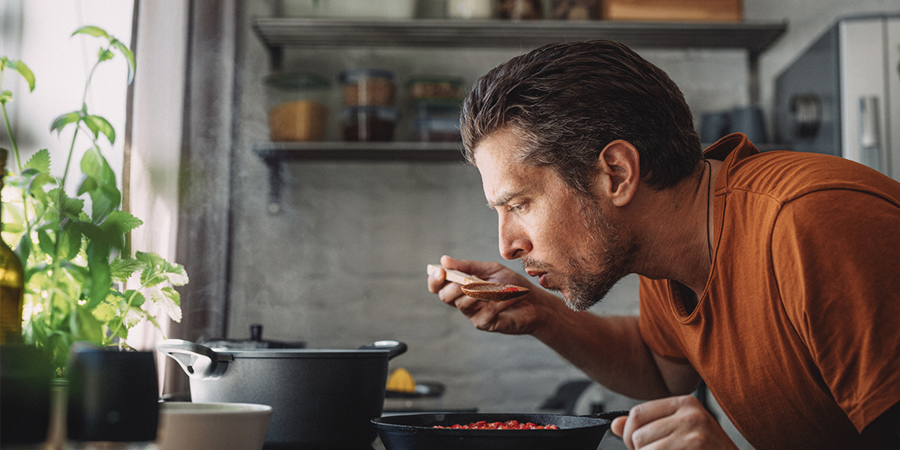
275, 184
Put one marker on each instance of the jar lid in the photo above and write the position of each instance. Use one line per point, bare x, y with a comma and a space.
351, 76
437, 124
438, 105
297, 81
381, 112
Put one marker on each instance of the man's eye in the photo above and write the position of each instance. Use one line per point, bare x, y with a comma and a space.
516, 208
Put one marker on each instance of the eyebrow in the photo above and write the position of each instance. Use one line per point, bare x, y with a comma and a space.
504, 199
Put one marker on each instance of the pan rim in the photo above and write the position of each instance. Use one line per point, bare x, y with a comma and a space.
590, 423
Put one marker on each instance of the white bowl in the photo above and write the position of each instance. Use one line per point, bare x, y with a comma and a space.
220, 426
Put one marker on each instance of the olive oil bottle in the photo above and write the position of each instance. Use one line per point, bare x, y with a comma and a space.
12, 283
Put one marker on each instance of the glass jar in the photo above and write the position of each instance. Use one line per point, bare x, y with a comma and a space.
438, 129
368, 123
470, 9
297, 106
437, 120
370, 9
368, 87
521, 9
575, 9
300, 8
435, 87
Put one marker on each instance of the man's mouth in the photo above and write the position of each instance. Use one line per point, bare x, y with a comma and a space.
541, 276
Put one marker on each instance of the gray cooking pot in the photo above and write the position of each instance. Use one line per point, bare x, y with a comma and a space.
322, 399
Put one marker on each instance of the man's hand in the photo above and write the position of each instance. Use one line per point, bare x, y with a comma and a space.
522, 315
671, 423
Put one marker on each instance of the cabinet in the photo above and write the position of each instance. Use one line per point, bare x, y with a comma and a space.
280, 33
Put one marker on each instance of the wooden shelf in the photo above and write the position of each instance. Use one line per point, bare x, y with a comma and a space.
277, 33
360, 151
274, 154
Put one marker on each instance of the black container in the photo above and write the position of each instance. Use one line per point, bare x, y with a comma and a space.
113, 395
25, 374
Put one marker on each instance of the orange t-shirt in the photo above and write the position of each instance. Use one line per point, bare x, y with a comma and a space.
797, 333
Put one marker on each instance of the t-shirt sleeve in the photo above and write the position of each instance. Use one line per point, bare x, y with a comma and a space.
656, 321
836, 256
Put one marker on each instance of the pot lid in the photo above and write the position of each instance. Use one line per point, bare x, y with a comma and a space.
378, 350
254, 342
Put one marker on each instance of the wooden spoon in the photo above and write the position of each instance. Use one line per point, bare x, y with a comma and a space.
482, 290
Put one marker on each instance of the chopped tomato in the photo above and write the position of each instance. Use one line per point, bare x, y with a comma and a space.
508, 425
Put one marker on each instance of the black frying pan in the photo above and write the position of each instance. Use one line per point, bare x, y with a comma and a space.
417, 432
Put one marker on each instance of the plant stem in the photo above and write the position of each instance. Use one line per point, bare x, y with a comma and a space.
12, 138
62, 187
123, 312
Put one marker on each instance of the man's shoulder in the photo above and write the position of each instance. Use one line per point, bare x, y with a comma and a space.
786, 176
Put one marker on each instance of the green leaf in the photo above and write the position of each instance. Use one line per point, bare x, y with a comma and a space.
86, 327
122, 269
46, 243
92, 30
32, 181
104, 312
100, 183
64, 119
99, 125
5, 97
104, 55
39, 161
160, 271
93, 232
120, 222
129, 56
78, 273
152, 320
168, 299
70, 208
20, 67
26, 74
137, 300
133, 315
12, 227
115, 326
23, 250
100, 280
69, 242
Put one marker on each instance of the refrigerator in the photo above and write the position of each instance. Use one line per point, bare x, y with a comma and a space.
841, 96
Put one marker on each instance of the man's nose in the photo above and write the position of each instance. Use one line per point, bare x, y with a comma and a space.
514, 243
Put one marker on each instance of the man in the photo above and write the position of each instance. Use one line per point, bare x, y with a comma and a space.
772, 277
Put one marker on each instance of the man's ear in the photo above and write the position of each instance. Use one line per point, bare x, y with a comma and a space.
619, 172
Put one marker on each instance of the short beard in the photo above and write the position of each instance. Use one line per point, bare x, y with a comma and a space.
613, 253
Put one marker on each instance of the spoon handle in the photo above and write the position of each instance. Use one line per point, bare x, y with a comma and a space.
455, 275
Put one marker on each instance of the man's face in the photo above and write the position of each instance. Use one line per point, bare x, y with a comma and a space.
561, 237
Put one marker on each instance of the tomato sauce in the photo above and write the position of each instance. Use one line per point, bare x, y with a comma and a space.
508, 425
510, 289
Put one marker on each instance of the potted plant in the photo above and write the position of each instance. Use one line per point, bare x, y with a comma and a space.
74, 245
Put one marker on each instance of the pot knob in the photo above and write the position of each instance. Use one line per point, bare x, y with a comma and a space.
394, 348
198, 361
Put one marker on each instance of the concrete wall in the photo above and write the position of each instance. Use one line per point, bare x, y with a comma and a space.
344, 263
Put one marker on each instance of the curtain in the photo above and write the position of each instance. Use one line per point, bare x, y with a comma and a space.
180, 158
192, 53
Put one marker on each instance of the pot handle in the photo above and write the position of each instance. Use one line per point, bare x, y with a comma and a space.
609, 415
394, 348
198, 361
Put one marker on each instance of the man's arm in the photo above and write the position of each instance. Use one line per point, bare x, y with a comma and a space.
610, 350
